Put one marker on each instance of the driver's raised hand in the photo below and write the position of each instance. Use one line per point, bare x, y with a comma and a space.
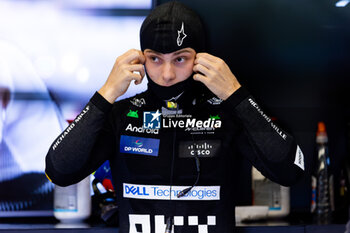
127, 67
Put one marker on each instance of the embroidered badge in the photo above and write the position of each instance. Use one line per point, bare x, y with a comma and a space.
181, 35
200, 148
139, 145
217, 117
171, 105
132, 114
215, 101
138, 102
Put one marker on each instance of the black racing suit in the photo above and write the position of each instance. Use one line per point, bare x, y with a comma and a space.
153, 158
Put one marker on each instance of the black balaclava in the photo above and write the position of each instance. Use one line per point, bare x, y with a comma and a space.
170, 27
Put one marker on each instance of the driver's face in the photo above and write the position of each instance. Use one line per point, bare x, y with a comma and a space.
169, 68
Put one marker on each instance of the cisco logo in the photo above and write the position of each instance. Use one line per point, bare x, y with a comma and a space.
202, 149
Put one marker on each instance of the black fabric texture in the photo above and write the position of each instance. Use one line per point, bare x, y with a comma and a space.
236, 98
100, 102
266, 138
146, 162
82, 137
244, 132
170, 27
166, 93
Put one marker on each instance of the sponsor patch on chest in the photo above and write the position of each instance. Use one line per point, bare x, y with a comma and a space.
140, 129
200, 148
165, 192
145, 223
139, 145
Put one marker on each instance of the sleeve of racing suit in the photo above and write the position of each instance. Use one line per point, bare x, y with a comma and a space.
270, 149
83, 146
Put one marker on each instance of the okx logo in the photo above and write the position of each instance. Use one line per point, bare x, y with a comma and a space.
151, 120
146, 222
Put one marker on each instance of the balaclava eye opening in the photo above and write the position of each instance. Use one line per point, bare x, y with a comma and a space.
170, 27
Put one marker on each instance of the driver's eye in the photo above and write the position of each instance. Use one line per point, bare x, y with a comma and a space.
155, 59
180, 59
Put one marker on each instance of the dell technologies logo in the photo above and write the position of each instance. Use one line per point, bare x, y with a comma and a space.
165, 192
135, 190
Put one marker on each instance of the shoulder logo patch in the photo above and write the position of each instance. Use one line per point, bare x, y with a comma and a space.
138, 102
299, 158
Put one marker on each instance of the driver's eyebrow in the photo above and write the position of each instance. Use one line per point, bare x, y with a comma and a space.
175, 53
151, 51
182, 51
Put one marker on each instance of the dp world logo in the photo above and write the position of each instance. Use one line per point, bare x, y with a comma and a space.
151, 120
138, 143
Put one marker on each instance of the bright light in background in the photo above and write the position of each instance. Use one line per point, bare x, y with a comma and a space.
72, 52
45, 66
121, 4
342, 3
83, 75
70, 62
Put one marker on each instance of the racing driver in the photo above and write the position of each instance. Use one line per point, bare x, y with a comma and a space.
173, 149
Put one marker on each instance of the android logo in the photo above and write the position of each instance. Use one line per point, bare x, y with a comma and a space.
215, 117
132, 114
